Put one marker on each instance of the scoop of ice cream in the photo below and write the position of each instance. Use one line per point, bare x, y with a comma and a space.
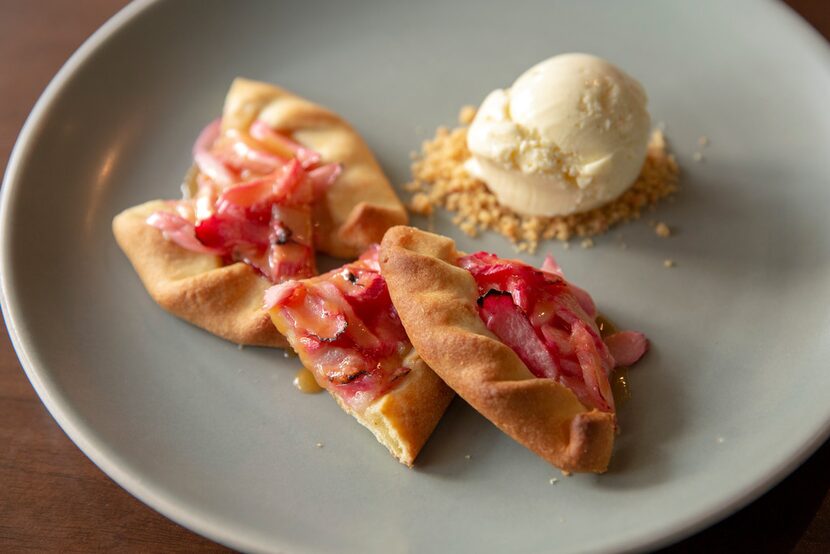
569, 135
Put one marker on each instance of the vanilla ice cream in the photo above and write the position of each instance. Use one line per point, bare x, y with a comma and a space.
568, 136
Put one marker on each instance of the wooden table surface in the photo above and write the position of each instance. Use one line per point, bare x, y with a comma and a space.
53, 498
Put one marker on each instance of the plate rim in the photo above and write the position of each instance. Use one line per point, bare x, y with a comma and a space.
190, 516
57, 406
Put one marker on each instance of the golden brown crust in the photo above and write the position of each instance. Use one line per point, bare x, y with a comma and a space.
436, 301
403, 419
361, 204
226, 301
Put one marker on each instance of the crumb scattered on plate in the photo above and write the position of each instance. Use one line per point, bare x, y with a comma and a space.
668, 262
440, 180
662, 230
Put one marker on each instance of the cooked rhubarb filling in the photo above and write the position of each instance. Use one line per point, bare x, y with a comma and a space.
250, 201
550, 324
345, 329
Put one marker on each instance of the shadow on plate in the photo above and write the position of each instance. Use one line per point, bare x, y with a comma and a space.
641, 454
780, 521
461, 432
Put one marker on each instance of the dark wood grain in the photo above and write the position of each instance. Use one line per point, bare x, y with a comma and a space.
52, 498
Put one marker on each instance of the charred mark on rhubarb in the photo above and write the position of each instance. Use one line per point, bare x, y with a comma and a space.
491, 292
400, 372
341, 378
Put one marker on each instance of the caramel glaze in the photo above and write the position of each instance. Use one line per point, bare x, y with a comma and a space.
619, 379
306, 383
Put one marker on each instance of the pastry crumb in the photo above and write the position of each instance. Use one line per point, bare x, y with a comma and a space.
662, 230
420, 204
587, 243
319, 445
439, 179
467, 114
668, 262
553, 480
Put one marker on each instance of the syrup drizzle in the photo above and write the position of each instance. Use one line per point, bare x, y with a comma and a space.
306, 383
619, 378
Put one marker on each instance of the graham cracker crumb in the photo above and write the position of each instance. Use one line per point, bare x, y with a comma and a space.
439, 179
466, 115
420, 204
662, 230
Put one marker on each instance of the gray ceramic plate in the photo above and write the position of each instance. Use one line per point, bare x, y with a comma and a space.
732, 396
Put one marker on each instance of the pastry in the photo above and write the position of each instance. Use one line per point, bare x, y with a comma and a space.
518, 343
347, 333
275, 179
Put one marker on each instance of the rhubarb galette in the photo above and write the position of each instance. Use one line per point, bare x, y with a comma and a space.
347, 333
518, 343
275, 179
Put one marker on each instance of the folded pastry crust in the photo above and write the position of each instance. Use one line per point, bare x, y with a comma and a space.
224, 300
227, 300
403, 419
361, 205
436, 301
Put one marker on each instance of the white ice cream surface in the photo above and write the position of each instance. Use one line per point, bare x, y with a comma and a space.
569, 135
